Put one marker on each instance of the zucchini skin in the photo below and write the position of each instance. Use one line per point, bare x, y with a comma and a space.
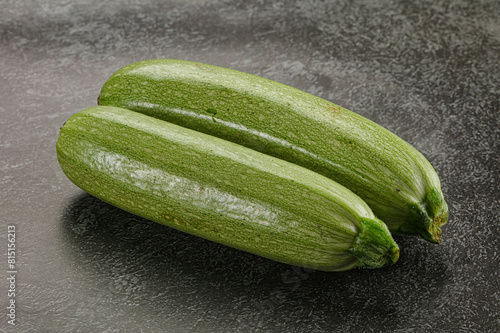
397, 181
221, 191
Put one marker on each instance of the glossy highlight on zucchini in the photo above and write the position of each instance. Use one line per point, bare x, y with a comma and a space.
221, 191
397, 181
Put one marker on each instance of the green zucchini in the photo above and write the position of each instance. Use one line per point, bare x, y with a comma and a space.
396, 180
221, 191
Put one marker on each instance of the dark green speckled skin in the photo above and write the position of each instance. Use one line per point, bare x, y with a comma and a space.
221, 191
397, 182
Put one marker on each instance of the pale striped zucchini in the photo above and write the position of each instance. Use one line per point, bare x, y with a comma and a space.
221, 191
396, 181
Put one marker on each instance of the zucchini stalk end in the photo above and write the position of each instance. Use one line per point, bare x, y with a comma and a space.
426, 218
374, 247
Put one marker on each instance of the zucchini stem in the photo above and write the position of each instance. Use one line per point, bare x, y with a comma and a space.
374, 247
430, 214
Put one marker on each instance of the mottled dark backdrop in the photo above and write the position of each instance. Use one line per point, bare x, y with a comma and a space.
427, 70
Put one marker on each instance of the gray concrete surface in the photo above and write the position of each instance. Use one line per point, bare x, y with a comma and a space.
427, 70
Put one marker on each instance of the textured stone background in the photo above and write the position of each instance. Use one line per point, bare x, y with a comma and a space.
427, 70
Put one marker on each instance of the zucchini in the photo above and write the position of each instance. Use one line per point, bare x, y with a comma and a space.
396, 180
221, 191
